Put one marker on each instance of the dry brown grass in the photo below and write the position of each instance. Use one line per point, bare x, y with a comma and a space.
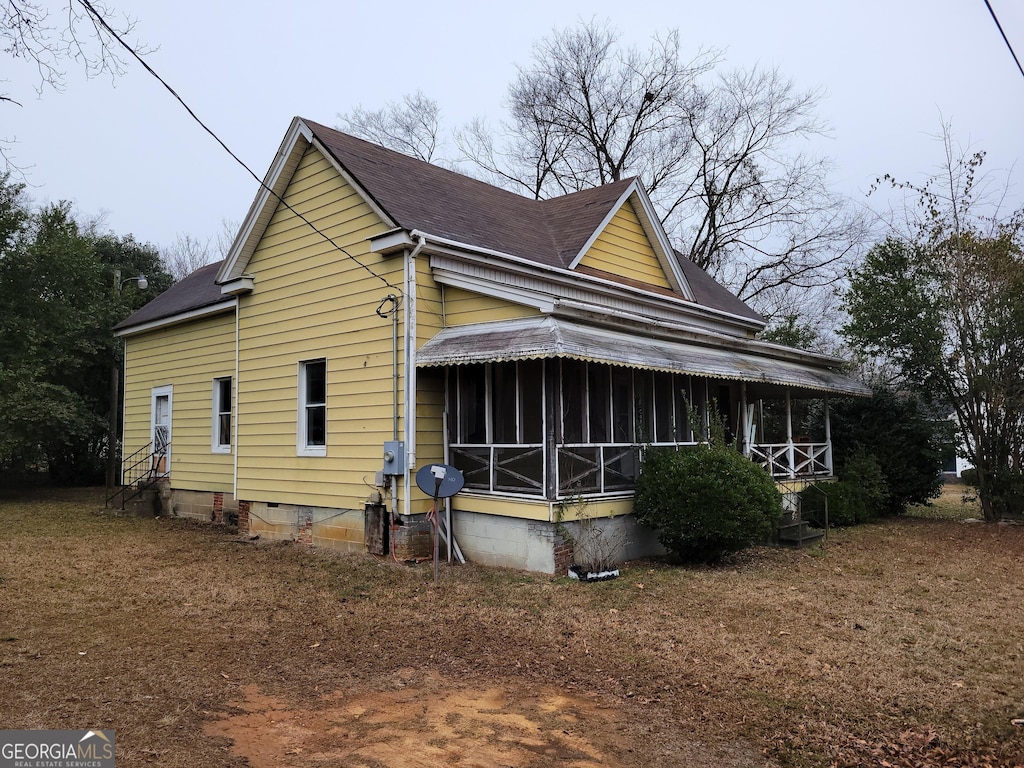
900, 641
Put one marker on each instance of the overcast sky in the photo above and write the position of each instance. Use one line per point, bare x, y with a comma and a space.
891, 71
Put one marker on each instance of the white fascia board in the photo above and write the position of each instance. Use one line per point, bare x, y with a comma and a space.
554, 276
391, 241
514, 294
238, 286
258, 217
184, 317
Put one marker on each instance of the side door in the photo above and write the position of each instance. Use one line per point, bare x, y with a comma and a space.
160, 429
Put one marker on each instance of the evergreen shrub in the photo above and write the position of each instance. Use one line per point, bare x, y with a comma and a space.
706, 502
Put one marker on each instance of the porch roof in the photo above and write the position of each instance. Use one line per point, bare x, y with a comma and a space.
553, 337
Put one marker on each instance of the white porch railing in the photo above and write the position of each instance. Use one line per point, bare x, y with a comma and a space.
793, 459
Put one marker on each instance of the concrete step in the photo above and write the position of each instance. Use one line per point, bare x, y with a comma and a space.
799, 534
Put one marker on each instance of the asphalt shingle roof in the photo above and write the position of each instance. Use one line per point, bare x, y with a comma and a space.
446, 204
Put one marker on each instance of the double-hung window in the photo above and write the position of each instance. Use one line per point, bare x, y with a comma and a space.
312, 427
221, 435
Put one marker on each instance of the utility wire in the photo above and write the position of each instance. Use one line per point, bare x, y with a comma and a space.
103, 22
1005, 38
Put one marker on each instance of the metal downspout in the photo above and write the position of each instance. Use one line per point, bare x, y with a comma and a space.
410, 370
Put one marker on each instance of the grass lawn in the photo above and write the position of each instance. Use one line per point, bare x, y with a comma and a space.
899, 643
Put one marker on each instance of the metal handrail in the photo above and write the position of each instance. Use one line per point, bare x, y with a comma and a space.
139, 471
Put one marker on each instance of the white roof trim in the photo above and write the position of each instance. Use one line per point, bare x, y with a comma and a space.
476, 254
651, 223
182, 317
296, 140
256, 220
652, 228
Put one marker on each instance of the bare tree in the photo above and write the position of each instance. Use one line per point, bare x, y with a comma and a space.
412, 126
719, 156
187, 254
587, 113
51, 34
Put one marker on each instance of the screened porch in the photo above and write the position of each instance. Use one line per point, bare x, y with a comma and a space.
559, 427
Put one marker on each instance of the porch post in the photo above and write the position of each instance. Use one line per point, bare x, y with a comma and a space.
789, 436
552, 409
828, 438
745, 423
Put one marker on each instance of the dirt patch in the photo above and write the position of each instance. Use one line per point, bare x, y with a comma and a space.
424, 721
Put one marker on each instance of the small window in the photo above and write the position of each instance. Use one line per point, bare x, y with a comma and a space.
221, 442
313, 408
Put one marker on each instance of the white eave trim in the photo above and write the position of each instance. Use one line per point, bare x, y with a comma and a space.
183, 317
258, 217
392, 241
558, 276
238, 286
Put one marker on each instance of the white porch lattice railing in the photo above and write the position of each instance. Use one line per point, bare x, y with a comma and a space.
793, 459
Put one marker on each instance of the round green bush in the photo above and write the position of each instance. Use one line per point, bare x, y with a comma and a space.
706, 502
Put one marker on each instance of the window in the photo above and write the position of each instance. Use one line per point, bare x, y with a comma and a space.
312, 408
221, 440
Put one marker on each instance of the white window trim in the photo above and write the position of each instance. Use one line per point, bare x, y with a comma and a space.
302, 448
215, 445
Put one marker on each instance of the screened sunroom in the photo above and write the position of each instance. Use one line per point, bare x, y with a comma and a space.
551, 409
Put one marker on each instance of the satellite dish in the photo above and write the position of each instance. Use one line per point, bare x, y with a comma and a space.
439, 480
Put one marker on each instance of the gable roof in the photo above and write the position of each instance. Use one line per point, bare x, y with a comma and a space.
421, 196
414, 195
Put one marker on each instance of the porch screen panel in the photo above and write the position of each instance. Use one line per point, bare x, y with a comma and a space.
474, 462
519, 469
531, 398
643, 391
505, 400
472, 396
574, 389
621, 467
664, 408
683, 402
622, 405
599, 402
579, 470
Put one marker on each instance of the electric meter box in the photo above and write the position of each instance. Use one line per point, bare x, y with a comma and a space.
394, 457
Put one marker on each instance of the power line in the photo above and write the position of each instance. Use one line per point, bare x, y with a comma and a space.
1005, 38
103, 22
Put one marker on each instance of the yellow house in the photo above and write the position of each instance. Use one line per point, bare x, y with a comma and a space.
376, 314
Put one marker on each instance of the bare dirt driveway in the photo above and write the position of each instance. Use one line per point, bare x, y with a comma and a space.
901, 643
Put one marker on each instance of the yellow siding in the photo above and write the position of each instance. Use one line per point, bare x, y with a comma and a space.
596, 509
463, 307
188, 358
623, 249
494, 505
429, 303
312, 301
